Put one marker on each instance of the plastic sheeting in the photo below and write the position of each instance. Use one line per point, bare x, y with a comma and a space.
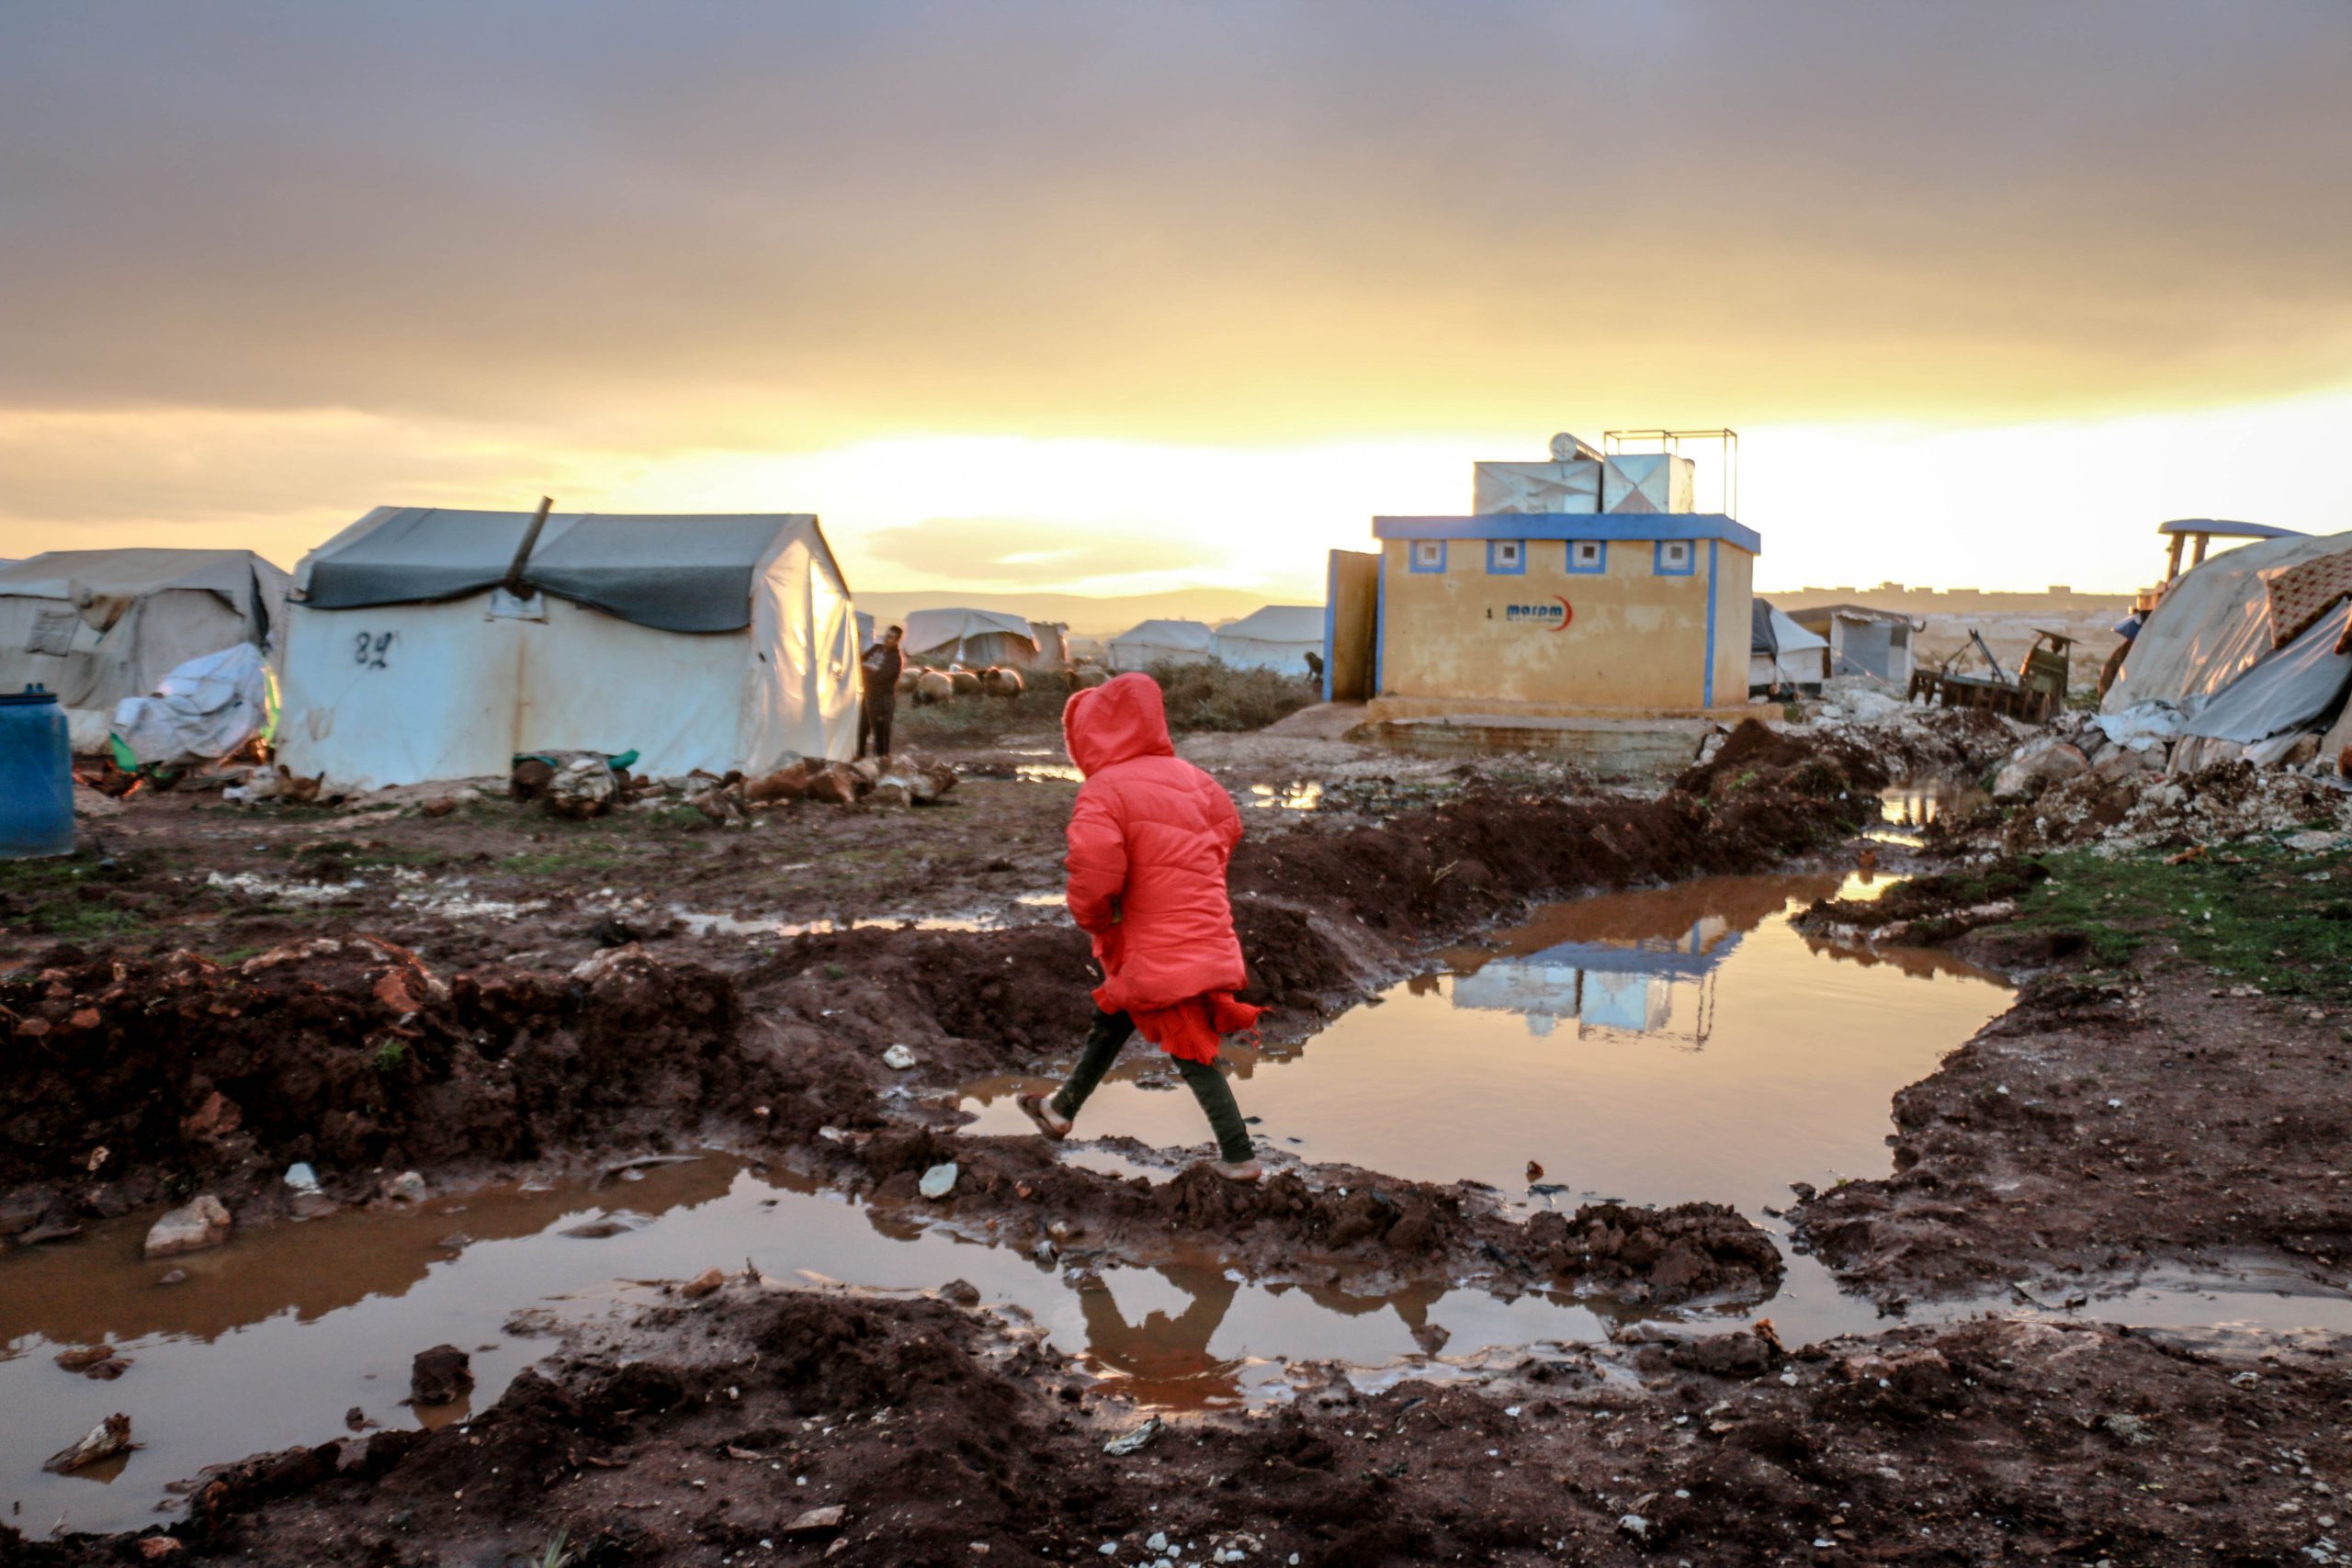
205, 708
2213, 625
1277, 637
1780, 650
1162, 642
2296, 689
680, 573
403, 694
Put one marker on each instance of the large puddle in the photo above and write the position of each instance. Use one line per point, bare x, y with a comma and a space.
1680, 1043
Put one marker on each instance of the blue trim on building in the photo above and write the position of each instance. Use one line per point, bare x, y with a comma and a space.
1413, 558
1573, 525
1497, 568
1380, 629
1690, 562
1330, 619
1707, 689
1598, 568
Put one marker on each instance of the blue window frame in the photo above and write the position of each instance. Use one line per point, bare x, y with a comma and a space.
1589, 557
1674, 558
1425, 555
1506, 558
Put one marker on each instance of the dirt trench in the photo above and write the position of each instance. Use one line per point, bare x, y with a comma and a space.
804, 1427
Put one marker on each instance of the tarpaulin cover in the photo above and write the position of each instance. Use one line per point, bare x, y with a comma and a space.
205, 708
2294, 689
2213, 625
1278, 637
683, 573
1162, 642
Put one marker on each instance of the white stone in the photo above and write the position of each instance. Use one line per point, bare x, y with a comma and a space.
195, 1226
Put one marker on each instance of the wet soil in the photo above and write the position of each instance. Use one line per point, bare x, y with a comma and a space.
784, 1426
2104, 1128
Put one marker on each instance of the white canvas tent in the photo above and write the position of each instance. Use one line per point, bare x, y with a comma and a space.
2213, 625
1162, 642
95, 626
1278, 638
1783, 653
975, 639
710, 642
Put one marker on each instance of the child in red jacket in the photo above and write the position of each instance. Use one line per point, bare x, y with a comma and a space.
1148, 843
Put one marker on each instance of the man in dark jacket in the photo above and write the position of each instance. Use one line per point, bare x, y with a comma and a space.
883, 663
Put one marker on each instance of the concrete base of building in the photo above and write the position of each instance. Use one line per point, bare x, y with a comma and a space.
1613, 750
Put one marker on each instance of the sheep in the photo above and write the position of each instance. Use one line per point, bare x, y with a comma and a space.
933, 687
967, 683
999, 682
1086, 677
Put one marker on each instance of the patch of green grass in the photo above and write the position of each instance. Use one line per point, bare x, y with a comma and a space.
2255, 911
389, 1051
66, 895
556, 863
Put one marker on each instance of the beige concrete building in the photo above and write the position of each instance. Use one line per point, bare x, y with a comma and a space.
1585, 586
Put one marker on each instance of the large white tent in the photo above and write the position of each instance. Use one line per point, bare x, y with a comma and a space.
710, 642
1278, 637
1162, 642
95, 626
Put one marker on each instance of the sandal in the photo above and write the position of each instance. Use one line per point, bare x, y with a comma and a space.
1033, 1106
1237, 1170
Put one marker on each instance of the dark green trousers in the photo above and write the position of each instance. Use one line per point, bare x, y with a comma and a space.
1114, 1030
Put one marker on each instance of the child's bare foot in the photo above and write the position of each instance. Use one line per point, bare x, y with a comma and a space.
1236, 1170
1036, 1108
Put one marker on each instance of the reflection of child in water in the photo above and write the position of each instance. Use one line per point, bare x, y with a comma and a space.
1148, 842
1164, 1349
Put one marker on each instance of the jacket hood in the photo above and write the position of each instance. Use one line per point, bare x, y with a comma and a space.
1119, 720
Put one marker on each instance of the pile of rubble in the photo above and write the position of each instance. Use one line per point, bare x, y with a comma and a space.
2081, 786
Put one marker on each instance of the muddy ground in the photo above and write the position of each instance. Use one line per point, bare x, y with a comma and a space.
378, 996
768, 1426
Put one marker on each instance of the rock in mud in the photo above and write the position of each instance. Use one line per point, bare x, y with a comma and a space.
439, 1375
705, 1283
816, 1523
107, 1439
195, 1226
1663, 1256
938, 1180
2045, 761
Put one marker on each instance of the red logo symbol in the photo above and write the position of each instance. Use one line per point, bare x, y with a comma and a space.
1567, 614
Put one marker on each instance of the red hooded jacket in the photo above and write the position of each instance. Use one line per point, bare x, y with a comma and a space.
1148, 843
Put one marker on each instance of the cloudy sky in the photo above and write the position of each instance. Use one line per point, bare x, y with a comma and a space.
1117, 297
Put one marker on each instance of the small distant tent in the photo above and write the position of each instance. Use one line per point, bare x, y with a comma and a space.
974, 638
1162, 642
1053, 642
710, 642
1783, 653
1278, 638
96, 626
1862, 641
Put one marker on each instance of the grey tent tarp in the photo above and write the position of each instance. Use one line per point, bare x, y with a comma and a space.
2295, 688
680, 573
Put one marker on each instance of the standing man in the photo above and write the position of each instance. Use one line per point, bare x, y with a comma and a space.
883, 663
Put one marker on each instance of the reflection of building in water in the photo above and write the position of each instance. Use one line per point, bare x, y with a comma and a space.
1637, 986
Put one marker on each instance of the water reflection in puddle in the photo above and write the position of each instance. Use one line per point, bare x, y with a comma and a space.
1906, 809
1680, 1043
271, 1339
1296, 796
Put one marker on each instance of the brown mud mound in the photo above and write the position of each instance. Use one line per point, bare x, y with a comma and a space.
2093, 1131
351, 1054
1661, 1255
1324, 1224
1927, 911
795, 1428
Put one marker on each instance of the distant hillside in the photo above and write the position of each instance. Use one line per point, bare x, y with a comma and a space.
1086, 616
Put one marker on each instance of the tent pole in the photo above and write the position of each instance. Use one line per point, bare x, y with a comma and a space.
513, 583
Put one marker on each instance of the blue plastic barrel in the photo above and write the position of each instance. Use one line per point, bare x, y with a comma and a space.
36, 776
